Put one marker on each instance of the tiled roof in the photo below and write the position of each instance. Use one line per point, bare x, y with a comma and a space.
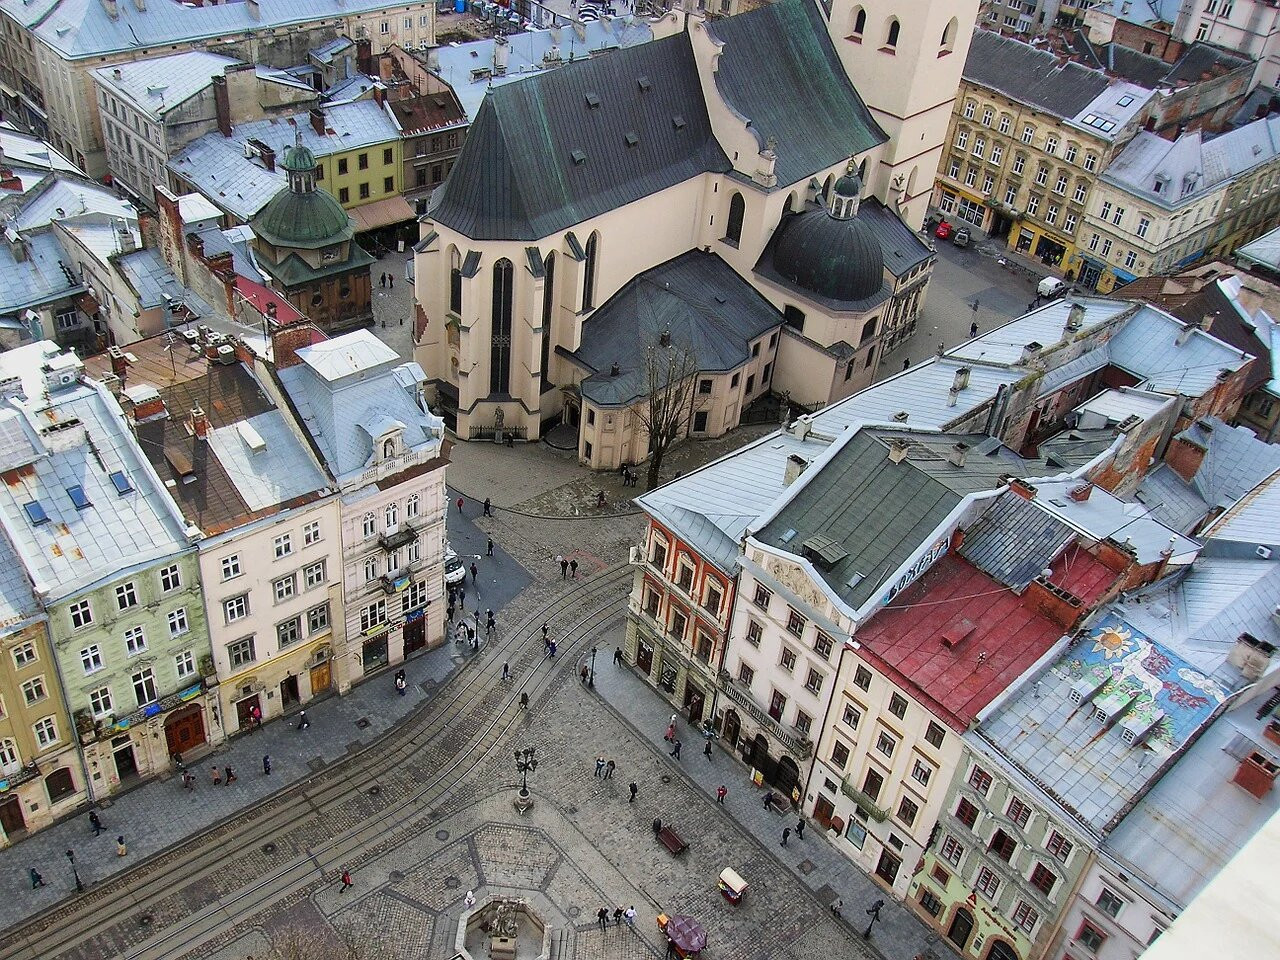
1014, 540
38, 279
1172, 500
1030, 75
159, 84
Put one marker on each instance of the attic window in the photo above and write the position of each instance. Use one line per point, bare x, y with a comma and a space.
121, 482
593, 101
720, 298
35, 512
677, 121
1124, 101
644, 84
78, 497
578, 157
824, 551
631, 138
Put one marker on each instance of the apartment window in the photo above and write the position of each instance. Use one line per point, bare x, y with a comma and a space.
1028, 133
966, 813
1090, 162
813, 683
1118, 216
1005, 124
1106, 247
907, 810
788, 659
934, 735
804, 722
679, 624
344, 195
1109, 902
953, 170
1019, 163
100, 701
795, 623
1081, 192
777, 705
364, 191
126, 596
370, 569
1090, 937
1070, 155
970, 177
1011, 195
921, 772
1069, 224
170, 578
313, 574
235, 608
988, 183
311, 532
862, 677
1130, 260
852, 717
1105, 212
1025, 916
91, 659
873, 784
1144, 224
988, 883
1018, 812
369, 526
997, 152
1002, 845
1061, 185
745, 675
33, 690
289, 632
822, 645
839, 755
283, 545
1043, 879
144, 686
135, 641
885, 743
951, 850
1058, 846
1042, 175
980, 780
46, 731
1051, 215
928, 899
979, 147
362, 161
1050, 144
659, 557
285, 587
184, 664
898, 705
392, 516
754, 632
318, 619
969, 108
231, 567
962, 140
241, 652
373, 615
761, 597
24, 655
987, 116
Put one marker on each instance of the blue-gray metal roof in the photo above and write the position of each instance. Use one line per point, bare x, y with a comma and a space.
1014, 540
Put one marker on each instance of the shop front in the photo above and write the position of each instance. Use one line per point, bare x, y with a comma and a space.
968, 207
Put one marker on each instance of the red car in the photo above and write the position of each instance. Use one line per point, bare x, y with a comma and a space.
943, 231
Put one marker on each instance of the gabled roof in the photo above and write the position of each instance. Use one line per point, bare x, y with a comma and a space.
1015, 540
157, 85
1030, 75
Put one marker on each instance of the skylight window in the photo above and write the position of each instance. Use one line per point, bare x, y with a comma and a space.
121, 481
78, 497
1125, 101
35, 512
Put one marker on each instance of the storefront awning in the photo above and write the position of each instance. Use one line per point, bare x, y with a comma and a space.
1124, 275
381, 213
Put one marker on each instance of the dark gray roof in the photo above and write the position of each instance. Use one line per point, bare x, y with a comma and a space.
902, 247
1202, 58
835, 262
780, 71
1030, 75
705, 305
1140, 68
1075, 447
540, 158
1014, 540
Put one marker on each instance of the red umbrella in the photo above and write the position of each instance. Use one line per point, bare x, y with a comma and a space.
687, 934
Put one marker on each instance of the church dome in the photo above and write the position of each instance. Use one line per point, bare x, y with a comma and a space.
301, 215
299, 158
834, 259
849, 185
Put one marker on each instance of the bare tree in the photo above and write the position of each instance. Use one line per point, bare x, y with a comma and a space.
669, 372
301, 943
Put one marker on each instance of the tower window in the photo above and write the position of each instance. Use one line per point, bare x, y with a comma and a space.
859, 23
891, 38
737, 210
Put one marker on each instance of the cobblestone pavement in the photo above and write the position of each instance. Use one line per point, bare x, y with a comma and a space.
393, 305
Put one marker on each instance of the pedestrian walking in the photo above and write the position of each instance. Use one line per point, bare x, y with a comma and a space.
346, 881
546, 632
506, 670
490, 624
721, 792
524, 701
786, 833
583, 672
630, 916
617, 916
599, 766
706, 750
676, 752
255, 717
573, 569
906, 363
391, 280
564, 569
459, 504
95, 822
768, 799
475, 572
973, 329
617, 656
462, 598
670, 734
303, 722
121, 849
551, 650
800, 829
36, 879
488, 550
266, 765
608, 770
469, 900
188, 781
382, 281
231, 777
634, 788
217, 776
450, 609
488, 507
602, 918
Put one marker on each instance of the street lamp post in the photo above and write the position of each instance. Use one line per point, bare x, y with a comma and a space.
874, 913
71, 856
592, 681
526, 763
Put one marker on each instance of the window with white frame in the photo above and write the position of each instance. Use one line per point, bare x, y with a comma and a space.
283, 545
91, 658
988, 183
144, 686
184, 664
1011, 195
313, 574
46, 731
1109, 902
235, 608
289, 631
9, 758
970, 176
962, 139
1072, 151
170, 578
1025, 916
969, 108
414, 551
1117, 216
100, 702
1069, 224
1144, 224
1028, 133
411, 506
1019, 164
178, 624
33, 691
81, 614
1130, 260
953, 170
1051, 214
231, 567
1005, 124
135, 641
988, 114
311, 533
1090, 162
1051, 144
318, 619
375, 614
285, 587
997, 152
951, 850
1081, 192
370, 569
1033, 204
126, 595
241, 653
813, 682
1042, 175
1106, 247
392, 515
851, 717
988, 883
979, 147
369, 526
24, 654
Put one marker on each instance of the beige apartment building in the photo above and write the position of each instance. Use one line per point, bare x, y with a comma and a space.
1028, 139
50, 50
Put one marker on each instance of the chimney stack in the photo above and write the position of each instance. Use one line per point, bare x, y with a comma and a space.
119, 365
317, 121
961, 380
199, 423
795, 466
1075, 317
287, 341
501, 52
897, 450
112, 11
957, 454
1080, 492
222, 105
1029, 351
1206, 322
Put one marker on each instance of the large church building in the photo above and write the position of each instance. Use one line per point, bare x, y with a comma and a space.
746, 191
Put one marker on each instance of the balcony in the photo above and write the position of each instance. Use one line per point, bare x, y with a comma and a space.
404, 535
864, 802
796, 743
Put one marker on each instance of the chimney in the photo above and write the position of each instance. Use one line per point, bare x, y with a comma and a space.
141, 5
17, 248
268, 158
501, 51
317, 121
199, 423
110, 7
364, 56
119, 365
287, 341
1075, 317
124, 238
1251, 657
1023, 489
897, 450
222, 105
1029, 351
254, 10
901, 416
147, 403
961, 380
795, 466
952, 396
1206, 322
1185, 334
957, 454
379, 94
665, 339
615, 370
1080, 492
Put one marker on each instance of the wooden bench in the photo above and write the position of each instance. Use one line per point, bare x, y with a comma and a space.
672, 840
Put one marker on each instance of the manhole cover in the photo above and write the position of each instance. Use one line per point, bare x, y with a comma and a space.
807, 867
146, 920
442, 835
315, 764
666, 778
452, 883
574, 911
374, 791
363, 723
395, 876
268, 848
571, 811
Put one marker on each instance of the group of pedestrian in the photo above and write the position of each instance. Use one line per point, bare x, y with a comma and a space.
97, 826
620, 916
786, 831
387, 280
548, 644
568, 569
605, 768
217, 775
629, 477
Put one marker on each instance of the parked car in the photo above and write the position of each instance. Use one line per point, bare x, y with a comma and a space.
943, 231
455, 571
1050, 287
961, 237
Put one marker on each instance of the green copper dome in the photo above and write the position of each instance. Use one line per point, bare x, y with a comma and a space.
302, 216
299, 158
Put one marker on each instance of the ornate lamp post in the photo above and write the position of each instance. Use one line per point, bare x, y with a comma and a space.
592, 681
526, 764
71, 856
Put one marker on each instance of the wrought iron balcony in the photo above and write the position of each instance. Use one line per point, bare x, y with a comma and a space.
795, 742
405, 534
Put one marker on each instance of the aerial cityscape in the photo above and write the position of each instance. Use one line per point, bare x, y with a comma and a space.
439, 521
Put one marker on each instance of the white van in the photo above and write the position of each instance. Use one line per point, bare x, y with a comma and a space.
1050, 287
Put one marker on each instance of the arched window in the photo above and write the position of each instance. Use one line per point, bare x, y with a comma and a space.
868, 330
411, 506
826, 190
369, 526
589, 284
455, 280
737, 210
393, 515
500, 335
859, 22
891, 37
59, 784
548, 312
388, 449
948, 42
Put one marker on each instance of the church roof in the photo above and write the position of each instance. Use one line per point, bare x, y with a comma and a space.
836, 263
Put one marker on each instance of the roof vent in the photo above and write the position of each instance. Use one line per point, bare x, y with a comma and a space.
1075, 317
644, 84
1251, 656
578, 157
677, 121
957, 633
615, 370
901, 416
1080, 492
961, 380
593, 101
1030, 350
251, 437
824, 552
632, 138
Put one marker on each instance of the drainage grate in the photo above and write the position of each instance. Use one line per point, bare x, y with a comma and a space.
452, 883
807, 867
442, 835
395, 876
666, 778
146, 920
363, 723
355, 746
315, 764
574, 911
374, 791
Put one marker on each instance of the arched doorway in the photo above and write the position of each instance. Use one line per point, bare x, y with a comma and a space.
184, 729
1001, 951
758, 754
786, 775
732, 727
59, 784
961, 928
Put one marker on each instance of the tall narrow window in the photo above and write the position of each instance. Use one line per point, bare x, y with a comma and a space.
859, 22
500, 348
891, 40
548, 312
737, 209
589, 284
455, 280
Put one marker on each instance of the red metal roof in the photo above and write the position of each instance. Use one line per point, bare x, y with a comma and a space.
932, 638
260, 296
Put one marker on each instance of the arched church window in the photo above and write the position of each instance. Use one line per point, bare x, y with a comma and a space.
548, 310
949, 36
455, 280
891, 38
868, 330
589, 284
859, 22
500, 334
737, 210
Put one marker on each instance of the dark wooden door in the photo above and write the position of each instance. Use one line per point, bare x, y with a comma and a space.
244, 711
320, 678
823, 811
185, 730
961, 928
644, 657
11, 816
415, 635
